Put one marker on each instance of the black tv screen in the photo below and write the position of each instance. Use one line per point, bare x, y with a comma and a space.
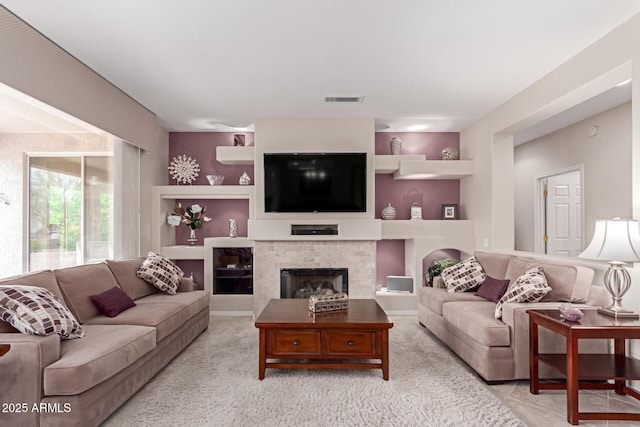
315, 182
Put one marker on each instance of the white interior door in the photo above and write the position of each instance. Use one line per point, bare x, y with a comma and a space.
564, 214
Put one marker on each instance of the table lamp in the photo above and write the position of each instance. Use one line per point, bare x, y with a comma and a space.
618, 242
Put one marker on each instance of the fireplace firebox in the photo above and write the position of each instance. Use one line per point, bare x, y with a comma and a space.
304, 282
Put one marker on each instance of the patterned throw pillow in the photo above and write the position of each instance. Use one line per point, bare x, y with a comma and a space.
36, 311
531, 286
464, 276
160, 272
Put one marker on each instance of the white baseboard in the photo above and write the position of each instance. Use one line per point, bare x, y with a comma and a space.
230, 313
402, 312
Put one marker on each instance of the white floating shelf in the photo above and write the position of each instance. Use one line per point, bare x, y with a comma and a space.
183, 252
386, 164
203, 191
416, 228
235, 155
434, 169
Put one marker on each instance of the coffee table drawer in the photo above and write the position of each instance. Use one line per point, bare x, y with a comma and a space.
351, 343
295, 343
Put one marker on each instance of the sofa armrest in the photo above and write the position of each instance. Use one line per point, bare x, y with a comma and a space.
21, 372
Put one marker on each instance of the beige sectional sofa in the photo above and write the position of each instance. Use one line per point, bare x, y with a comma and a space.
498, 349
80, 382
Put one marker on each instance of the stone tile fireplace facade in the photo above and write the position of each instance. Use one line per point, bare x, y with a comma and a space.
272, 256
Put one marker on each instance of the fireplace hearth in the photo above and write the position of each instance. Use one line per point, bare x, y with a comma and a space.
305, 282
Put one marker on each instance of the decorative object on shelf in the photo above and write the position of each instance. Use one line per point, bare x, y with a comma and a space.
437, 266
570, 313
184, 169
416, 211
194, 283
193, 217
215, 179
244, 179
618, 242
396, 145
238, 140
450, 153
233, 227
389, 212
450, 211
324, 303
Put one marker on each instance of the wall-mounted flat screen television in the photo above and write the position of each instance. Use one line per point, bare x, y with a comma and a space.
315, 182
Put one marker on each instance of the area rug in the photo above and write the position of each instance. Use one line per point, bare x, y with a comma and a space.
214, 382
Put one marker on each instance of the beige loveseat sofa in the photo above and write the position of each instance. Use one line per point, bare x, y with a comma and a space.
498, 349
80, 382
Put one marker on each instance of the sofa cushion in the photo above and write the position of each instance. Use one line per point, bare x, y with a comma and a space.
103, 352
495, 265
529, 287
161, 273
194, 302
567, 282
125, 273
475, 319
435, 298
79, 283
165, 317
112, 302
464, 276
36, 311
492, 289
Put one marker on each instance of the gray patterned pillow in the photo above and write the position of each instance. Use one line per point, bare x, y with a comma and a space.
464, 276
531, 286
160, 272
36, 311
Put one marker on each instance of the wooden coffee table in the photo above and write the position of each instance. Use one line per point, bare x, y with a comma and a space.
292, 337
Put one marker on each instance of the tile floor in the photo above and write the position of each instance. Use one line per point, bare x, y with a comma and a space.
548, 408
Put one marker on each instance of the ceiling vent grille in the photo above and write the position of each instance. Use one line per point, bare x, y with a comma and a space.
344, 99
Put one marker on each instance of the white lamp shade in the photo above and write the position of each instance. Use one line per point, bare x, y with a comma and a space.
614, 240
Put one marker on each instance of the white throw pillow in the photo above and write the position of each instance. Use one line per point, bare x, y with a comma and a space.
160, 272
36, 311
531, 286
464, 276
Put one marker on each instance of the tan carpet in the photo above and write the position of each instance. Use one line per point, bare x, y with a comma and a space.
214, 382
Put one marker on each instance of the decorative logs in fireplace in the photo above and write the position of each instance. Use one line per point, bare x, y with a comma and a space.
305, 282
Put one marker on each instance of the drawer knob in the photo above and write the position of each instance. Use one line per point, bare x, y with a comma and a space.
296, 342
350, 343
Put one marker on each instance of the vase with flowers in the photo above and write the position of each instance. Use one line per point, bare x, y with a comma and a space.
192, 216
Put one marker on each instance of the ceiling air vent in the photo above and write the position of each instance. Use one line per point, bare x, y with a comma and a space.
344, 99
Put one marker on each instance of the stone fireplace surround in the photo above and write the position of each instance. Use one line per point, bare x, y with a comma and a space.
358, 256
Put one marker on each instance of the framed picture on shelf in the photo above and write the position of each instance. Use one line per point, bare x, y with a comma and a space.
449, 211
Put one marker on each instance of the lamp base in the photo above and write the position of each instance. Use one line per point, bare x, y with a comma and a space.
627, 314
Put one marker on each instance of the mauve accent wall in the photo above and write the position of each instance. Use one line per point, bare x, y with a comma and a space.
201, 146
389, 260
427, 143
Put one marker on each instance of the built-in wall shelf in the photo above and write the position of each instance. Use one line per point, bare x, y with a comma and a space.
203, 192
386, 164
434, 169
163, 199
183, 252
417, 228
235, 155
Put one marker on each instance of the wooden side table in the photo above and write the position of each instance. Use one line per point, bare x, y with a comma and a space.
591, 367
4, 348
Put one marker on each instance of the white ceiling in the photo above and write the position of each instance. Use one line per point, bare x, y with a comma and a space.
203, 65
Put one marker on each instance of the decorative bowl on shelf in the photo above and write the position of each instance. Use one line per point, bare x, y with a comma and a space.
215, 179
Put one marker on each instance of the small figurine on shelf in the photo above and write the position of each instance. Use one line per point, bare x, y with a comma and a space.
244, 179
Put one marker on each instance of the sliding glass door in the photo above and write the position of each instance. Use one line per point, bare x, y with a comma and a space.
70, 203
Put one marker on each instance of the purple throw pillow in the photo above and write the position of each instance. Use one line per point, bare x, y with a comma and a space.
492, 289
112, 302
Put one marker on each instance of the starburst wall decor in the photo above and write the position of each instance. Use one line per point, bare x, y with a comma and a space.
184, 169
